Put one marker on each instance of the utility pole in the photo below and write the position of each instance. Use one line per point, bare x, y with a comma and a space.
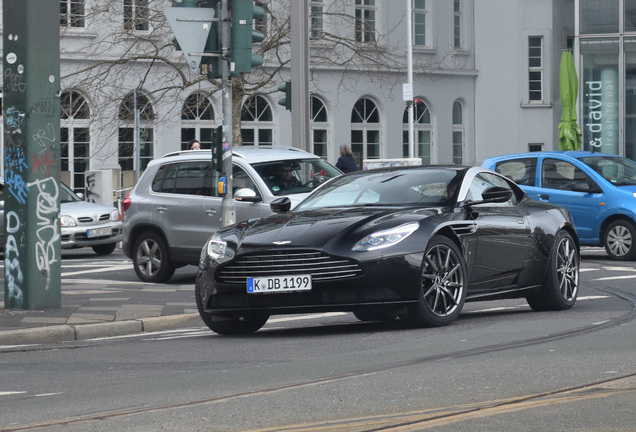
407, 92
31, 111
300, 74
228, 213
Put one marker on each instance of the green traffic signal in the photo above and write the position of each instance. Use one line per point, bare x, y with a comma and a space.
244, 35
285, 101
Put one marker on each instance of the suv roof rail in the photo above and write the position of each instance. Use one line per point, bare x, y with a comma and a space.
235, 150
184, 152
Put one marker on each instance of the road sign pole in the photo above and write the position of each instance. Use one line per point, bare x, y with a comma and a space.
31, 108
300, 74
228, 215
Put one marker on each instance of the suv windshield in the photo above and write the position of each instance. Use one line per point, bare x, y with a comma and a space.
296, 175
617, 170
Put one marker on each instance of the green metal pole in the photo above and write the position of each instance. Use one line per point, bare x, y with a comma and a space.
31, 114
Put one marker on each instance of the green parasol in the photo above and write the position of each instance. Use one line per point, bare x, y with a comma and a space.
569, 132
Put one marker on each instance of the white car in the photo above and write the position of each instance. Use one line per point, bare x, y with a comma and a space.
82, 224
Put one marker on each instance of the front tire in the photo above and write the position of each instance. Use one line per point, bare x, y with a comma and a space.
150, 258
443, 285
104, 249
561, 285
620, 240
229, 325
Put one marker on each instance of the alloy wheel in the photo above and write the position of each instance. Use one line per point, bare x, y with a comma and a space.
619, 240
442, 280
149, 257
567, 269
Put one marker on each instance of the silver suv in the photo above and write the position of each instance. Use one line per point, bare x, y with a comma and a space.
175, 207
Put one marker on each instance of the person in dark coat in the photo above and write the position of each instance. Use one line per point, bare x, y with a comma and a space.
346, 163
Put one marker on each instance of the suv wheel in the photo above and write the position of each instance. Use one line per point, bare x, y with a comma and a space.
620, 240
150, 258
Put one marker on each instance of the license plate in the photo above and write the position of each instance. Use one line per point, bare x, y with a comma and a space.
98, 232
275, 284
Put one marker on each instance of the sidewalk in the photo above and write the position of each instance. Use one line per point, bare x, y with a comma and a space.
90, 310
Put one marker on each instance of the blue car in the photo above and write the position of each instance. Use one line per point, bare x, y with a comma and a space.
598, 189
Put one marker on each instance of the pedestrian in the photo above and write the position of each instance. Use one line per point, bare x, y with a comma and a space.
194, 145
346, 163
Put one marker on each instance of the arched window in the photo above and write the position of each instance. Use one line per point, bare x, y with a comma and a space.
257, 126
127, 132
458, 133
196, 116
365, 130
319, 128
75, 115
422, 131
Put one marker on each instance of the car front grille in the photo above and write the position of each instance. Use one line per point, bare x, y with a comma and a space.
322, 267
87, 219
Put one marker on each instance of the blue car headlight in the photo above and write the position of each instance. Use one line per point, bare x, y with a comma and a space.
386, 238
216, 248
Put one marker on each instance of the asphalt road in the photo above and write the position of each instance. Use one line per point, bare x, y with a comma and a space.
500, 367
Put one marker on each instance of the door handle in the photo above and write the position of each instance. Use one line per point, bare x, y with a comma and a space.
211, 212
544, 196
161, 209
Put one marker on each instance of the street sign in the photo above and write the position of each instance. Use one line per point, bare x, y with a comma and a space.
191, 27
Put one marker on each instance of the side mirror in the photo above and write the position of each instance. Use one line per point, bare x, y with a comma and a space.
247, 195
81, 195
494, 195
280, 205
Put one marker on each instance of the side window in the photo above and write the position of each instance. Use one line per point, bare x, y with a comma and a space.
240, 180
187, 178
558, 174
193, 178
520, 171
483, 181
165, 179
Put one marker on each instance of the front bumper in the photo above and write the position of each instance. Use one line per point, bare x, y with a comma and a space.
385, 282
79, 236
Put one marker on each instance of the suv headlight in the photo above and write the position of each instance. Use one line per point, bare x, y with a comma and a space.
67, 221
216, 248
386, 238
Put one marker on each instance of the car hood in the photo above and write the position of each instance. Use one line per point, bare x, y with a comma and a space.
319, 228
82, 208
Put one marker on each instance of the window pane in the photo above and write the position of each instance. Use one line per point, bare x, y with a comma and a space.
599, 16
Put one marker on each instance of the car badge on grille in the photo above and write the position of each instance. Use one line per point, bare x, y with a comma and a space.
284, 242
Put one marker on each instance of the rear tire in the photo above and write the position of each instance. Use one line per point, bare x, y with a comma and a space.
561, 285
443, 286
104, 249
151, 260
620, 240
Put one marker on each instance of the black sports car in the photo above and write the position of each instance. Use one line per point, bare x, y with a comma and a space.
412, 243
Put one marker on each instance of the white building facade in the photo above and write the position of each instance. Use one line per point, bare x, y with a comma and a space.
485, 82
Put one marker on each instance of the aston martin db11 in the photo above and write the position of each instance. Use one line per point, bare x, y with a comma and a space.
407, 243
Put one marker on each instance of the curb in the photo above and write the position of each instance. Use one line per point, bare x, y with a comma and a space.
66, 332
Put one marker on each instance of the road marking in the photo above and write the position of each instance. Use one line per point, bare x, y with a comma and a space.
48, 394
99, 270
615, 278
9, 393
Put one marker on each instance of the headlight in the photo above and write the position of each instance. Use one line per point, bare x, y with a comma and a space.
67, 221
386, 238
114, 215
634, 194
216, 248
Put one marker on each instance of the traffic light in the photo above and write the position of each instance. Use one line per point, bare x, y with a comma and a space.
243, 35
285, 101
217, 149
211, 65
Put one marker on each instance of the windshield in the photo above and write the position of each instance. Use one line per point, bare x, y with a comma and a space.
67, 195
427, 187
617, 170
295, 176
